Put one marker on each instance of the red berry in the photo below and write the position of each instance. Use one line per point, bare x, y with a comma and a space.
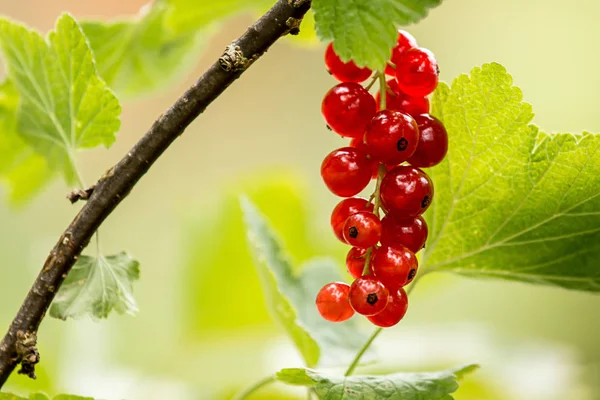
405, 42
343, 210
397, 100
393, 312
391, 137
348, 108
368, 296
417, 72
355, 261
360, 144
433, 142
406, 191
409, 232
362, 229
394, 266
344, 72
332, 302
346, 171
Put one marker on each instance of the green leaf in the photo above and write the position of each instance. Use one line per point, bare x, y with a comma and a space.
141, 54
96, 286
189, 15
291, 298
22, 170
400, 386
64, 105
512, 202
42, 396
366, 30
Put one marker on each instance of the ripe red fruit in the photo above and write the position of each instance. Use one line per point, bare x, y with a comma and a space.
344, 72
433, 142
355, 261
391, 137
333, 302
393, 312
406, 191
360, 144
405, 42
343, 210
397, 100
417, 72
410, 232
362, 229
346, 171
368, 296
394, 266
348, 108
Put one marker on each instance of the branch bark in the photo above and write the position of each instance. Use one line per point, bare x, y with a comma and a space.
117, 182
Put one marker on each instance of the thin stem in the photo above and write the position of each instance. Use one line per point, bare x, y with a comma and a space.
73, 164
391, 64
257, 386
362, 351
376, 206
370, 85
382, 91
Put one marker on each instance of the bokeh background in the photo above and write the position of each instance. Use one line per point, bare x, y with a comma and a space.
202, 331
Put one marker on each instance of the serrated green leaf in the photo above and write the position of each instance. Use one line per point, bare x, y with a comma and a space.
512, 202
141, 54
64, 105
291, 297
22, 170
42, 396
97, 285
366, 30
400, 386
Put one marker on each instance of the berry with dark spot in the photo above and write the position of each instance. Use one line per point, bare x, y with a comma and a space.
395, 266
391, 137
417, 72
406, 191
346, 171
344, 71
368, 296
348, 108
343, 210
362, 229
394, 311
433, 142
333, 302
410, 232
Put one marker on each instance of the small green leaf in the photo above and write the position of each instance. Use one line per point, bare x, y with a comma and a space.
42, 396
291, 298
141, 54
512, 202
366, 30
64, 105
96, 286
400, 386
22, 170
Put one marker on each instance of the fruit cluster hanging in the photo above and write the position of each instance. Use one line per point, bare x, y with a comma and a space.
392, 137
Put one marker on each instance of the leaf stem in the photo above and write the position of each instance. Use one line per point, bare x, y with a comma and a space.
362, 351
257, 386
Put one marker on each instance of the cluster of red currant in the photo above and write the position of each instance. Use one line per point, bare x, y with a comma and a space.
392, 137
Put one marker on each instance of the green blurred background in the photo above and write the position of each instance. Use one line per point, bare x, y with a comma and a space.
203, 332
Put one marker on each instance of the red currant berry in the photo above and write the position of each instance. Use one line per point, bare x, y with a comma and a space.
391, 137
393, 96
343, 210
360, 144
417, 72
396, 100
405, 42
406, 191
409, 232
344, 72
394, 266
362, 229
348, 108
393, 312
346, 171
368, 296
355, 261
433, 142
332, 302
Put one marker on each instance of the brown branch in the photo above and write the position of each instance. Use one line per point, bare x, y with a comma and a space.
118, 181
